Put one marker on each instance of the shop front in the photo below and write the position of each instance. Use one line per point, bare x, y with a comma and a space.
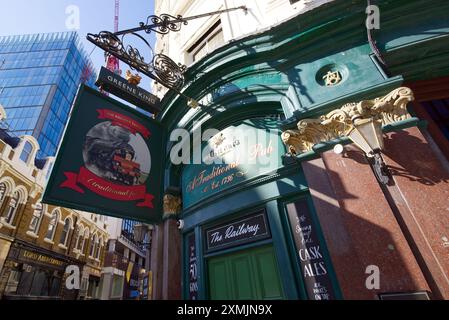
249, 229
31, 273
280, 199
90, 283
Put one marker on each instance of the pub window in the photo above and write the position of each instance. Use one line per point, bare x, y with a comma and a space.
83, 242
12, 208
52, 226
92, 245
212, 39
55, 285
78, 237
36, 218
99, 248
2, 193
26, 280
117, 286
65, 232
26, 152
39, 283
13, 282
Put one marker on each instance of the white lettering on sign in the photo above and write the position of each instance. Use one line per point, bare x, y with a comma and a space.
242, 229
245, 230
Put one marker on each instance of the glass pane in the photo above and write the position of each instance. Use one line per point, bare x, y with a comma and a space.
13, 282
26, 280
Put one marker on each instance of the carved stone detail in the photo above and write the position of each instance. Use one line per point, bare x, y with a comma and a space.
338, 123
172, 205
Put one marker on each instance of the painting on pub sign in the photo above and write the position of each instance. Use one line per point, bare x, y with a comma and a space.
109, 161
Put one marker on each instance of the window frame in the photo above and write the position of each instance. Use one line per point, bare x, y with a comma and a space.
54, 219
35, 219
65, 233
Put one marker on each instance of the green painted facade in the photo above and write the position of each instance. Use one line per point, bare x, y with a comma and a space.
279, 72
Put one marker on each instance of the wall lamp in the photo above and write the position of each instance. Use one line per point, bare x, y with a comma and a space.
140, 232
367, 135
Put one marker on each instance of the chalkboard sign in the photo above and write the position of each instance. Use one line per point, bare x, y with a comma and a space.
238, 232
193, 268
310, 252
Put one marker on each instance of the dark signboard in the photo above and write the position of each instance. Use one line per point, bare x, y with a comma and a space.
41, 259
237, 154
193, 268
238, 232
109, 161
120, 87
310, 252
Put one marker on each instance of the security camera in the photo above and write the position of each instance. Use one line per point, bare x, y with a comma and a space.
180, 224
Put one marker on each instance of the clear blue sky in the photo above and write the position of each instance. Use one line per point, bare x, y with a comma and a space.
38, 16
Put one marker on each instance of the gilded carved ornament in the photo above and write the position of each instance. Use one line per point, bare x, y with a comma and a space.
172, 205
338, 123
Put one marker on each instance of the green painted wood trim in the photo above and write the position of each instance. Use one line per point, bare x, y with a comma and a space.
202, 281
308, 37
244, 199
322, 108
283, 257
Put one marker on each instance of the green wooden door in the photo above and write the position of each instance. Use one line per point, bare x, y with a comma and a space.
246, 275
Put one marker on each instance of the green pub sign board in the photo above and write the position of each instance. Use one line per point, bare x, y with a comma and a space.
242, 152
109, 162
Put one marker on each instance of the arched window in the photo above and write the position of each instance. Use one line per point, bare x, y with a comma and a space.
99, 244
36, 218
12, 208
26, 152
65, 232
93, 243
79, 237
83, 242
3, 192
52, 226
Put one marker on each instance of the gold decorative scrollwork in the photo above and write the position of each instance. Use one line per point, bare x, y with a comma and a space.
338, 123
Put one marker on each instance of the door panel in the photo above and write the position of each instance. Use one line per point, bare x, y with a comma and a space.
219, 282
251, 274
268, 274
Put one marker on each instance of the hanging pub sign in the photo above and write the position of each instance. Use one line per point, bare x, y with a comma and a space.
124, 89
109, 161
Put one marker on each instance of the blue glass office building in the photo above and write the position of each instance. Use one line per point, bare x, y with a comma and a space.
39, 77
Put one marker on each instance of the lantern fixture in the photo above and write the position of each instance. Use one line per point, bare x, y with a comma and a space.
140, 232
367, 135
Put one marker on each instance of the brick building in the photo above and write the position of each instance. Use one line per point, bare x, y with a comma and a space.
37, 241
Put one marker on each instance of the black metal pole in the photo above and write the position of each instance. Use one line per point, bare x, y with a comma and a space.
179, 19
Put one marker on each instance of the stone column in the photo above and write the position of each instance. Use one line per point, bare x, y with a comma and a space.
171, 279
157, 261
359, 226
420, 196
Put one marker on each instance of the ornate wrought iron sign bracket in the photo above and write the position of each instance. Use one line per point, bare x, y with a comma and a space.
159, 67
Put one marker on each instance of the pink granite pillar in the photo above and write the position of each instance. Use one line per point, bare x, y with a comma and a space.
359, 226
157, 261
171, 283
421, 195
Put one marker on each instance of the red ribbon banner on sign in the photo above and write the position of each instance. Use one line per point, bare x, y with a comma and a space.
107, 189
124, 122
